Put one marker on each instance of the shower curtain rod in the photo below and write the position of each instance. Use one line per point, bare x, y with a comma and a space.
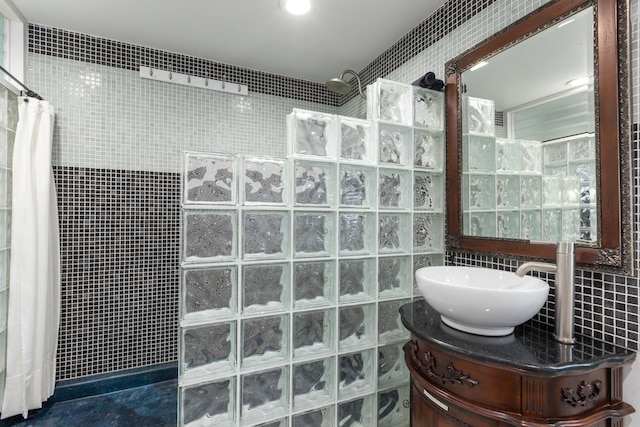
28, 92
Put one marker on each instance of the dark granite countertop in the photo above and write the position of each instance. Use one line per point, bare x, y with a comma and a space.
530, 347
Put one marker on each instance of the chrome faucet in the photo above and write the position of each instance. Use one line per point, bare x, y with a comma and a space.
564, 268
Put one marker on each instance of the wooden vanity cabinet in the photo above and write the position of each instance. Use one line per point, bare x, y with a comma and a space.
514, 382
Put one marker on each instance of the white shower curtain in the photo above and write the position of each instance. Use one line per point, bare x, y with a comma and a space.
34, 281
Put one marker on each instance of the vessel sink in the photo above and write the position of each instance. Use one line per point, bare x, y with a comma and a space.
481, 301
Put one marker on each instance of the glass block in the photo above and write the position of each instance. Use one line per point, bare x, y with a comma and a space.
481, 224
394, 276
424, 260
531, 157
394, 189
265, 340
313, 384
265, 287
210, 179
323, 417
551, 191
357, 327
314, 284
356, 279
208, 404
265, 394
479, 191
531, 224
391, 366
4, 268
570, 225
4, 202
208, 292
588, 224
530, 192
356, 374
507, 191
312, 134
571, 189
508, 224
390, 327
587, 195
393, 230
582, 148
391, 409
357, 233
552, 225
586, 171
282, 422
428, 108
358, 186
207, 350
394, 144
3, 345
478, 153
554, 152
392, 102
5, 160
356, 140
315, 183
557, 170
3, 312
507, 155
428, 191
263, 181
428, 232
428, 150
313, 333
265, 234
478, 116
209, 236
314, 234
358, 412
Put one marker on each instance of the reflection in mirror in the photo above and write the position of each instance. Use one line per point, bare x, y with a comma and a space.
528, 138
565, 134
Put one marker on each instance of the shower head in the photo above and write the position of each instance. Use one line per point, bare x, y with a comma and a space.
340, 86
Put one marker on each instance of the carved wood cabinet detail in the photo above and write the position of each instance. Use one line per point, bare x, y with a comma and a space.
450, 389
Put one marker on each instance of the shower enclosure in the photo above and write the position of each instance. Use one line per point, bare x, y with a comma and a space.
293, 270
8, 122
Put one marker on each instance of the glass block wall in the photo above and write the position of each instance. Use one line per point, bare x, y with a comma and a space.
526, 189
8, 122
293, 270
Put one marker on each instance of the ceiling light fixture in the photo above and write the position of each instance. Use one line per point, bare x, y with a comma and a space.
296, 7
478, 65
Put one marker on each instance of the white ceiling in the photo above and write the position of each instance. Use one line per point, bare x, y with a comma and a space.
256, 34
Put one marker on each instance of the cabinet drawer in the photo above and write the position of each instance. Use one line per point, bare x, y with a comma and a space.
428, 410
472, 381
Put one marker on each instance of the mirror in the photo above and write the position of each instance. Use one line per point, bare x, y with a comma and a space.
531, 159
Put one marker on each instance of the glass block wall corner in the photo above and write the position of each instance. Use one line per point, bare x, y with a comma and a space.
8, 123
293, 270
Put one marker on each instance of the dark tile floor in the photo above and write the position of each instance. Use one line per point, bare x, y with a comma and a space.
153, 405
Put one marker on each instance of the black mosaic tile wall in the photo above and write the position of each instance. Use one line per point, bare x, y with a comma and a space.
81, 47
119, 238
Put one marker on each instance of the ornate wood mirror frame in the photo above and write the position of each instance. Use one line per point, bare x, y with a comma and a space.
614, 248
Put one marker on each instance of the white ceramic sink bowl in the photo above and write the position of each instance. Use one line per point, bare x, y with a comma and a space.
481, 301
